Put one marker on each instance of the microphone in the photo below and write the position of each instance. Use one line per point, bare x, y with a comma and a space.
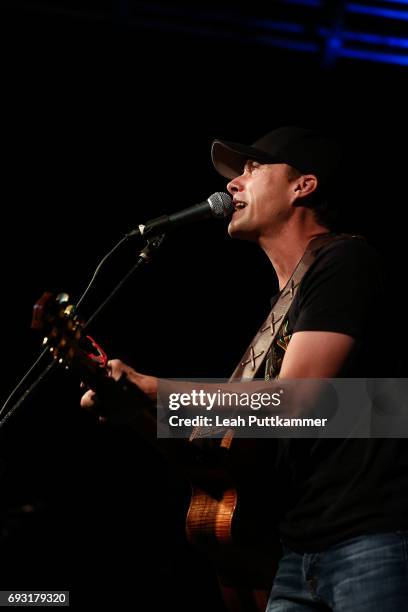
219, 204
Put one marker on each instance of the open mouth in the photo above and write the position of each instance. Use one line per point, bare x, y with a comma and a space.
239, 205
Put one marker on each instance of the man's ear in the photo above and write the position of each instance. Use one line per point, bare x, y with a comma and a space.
305, 185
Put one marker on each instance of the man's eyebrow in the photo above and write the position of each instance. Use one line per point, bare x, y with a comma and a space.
250, 162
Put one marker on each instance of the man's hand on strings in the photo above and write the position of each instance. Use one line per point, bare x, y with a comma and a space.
117, 369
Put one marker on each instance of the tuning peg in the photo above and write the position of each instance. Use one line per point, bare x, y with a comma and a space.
45, 341
69, 310
62, 298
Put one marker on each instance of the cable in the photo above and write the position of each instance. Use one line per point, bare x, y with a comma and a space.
99, 266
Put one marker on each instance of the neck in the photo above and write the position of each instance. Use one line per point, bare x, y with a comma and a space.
286, 248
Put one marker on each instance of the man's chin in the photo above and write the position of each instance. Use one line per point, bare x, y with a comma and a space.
239, 231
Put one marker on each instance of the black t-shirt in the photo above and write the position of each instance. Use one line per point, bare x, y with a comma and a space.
335, 489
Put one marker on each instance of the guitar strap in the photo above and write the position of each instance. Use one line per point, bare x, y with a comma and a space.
256, 352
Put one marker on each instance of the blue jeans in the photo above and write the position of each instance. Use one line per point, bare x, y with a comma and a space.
363, 574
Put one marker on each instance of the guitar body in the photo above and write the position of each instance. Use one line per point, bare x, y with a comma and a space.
231, 521
209, 520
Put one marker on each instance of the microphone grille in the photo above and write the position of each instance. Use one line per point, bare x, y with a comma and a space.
221, 204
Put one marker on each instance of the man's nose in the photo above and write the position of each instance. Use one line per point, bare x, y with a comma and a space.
234, 186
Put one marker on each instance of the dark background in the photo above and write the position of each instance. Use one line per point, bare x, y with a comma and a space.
107, 121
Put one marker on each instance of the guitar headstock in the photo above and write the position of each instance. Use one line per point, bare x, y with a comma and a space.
63, 331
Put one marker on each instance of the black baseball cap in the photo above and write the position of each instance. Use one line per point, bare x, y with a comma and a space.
304, 149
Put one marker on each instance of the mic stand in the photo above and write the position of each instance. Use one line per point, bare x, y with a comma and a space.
145, 255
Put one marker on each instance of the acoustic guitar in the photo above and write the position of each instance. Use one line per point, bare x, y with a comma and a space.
231, 516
